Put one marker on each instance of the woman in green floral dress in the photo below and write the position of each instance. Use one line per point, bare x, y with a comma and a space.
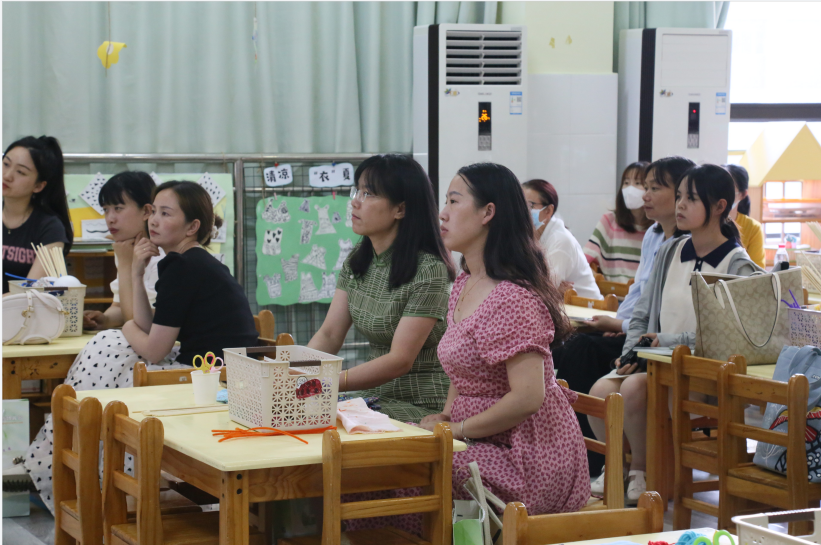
394, 289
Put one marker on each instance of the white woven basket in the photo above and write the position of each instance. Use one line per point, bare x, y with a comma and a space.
754, 529
805, 327
293, 388
73, 300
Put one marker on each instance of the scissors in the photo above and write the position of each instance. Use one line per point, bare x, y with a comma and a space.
207, 364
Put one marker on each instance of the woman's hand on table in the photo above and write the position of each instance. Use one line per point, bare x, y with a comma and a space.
94, 319
144, 250
429, 422
604, 323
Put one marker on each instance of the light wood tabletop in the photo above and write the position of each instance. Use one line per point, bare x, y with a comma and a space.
58, 347
578, 314
260, 469
39, 362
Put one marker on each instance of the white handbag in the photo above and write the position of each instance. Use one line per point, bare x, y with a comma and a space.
32, 317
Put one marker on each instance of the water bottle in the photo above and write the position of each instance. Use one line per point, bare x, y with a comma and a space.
781, 256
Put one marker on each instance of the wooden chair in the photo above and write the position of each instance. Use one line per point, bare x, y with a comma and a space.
265, 324
143, 377
740, 479
619, 289
611, 410
521, 529
75, 469
145, 439
700, 375
610, 302
435, 451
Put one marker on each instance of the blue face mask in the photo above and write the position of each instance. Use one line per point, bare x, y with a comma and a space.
535, 215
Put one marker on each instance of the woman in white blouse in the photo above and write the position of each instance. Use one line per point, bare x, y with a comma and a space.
563, 252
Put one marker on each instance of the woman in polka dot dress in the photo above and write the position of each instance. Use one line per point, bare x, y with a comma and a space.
503, 315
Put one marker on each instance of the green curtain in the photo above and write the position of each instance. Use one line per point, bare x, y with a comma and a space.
627, 15
330, 76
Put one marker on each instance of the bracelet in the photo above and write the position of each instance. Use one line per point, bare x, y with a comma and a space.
462, 429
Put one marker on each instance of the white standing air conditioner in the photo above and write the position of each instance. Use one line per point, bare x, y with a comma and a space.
674, 94
469, 85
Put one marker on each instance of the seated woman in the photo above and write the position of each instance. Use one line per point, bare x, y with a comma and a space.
503, 316
198, 304
615, 245
394, 289
752, 234
35, 209
126, 200
586, 357
564, 254
665, 312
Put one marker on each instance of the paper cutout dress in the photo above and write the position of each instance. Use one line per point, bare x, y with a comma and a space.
289, 267
328, 286
325, 227
272, 245
349, 214
276, 215
345, 249
307, 231
307, 288
316, 257
274, 283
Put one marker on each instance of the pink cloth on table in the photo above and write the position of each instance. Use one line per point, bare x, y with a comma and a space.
542, 462
356, 417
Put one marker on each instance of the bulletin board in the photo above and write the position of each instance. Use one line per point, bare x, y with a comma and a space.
302, 243
80, 187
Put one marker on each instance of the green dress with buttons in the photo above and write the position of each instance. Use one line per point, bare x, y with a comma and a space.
376, 310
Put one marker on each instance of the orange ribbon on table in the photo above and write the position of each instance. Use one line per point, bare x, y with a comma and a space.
239, 433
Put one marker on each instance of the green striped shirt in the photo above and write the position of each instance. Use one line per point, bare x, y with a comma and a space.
376, 310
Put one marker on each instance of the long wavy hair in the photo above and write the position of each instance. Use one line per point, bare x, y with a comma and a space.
400, 179
511, 252
47, 157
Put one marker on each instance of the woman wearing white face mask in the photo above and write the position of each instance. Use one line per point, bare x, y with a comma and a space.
615, 245
563, 253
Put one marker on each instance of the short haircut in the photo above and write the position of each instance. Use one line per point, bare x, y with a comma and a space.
136, 185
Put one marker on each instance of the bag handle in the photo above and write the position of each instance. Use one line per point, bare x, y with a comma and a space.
27, 314
777, 289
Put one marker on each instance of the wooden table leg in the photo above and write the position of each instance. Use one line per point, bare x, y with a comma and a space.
12, 383
234, 494
656, 424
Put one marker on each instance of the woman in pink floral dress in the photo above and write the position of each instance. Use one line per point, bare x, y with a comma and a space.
503, 315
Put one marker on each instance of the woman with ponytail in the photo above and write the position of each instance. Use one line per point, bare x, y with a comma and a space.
665, 312
752, 234
35, 209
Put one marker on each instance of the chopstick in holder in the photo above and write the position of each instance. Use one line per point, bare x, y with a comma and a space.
57, 253
41, 255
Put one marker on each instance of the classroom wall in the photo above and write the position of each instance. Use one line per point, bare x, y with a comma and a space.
573, 104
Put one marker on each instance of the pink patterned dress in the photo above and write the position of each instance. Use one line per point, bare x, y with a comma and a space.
542, 462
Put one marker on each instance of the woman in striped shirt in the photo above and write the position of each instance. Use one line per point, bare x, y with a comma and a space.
615, 245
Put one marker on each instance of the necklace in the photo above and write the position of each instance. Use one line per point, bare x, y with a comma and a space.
464, 294
25, 219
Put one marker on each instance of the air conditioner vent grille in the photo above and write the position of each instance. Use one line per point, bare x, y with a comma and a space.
483, 57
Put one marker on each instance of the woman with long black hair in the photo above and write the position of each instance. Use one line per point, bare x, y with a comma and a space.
35, 208
394, 289
504, 315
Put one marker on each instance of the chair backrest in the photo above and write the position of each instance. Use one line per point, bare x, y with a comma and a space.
619, 289
610, 302
521, 529
611, 410
735, 391
144, 377
265, 324
695, 374
145, 440
435, 451
75, 465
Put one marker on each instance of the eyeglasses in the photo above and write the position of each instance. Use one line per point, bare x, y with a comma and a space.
360, 194
535, 205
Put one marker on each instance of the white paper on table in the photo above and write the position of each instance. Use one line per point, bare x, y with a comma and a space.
278, 175
217, 193
91, 194
337, 175
356, 417
219, 234
94, 229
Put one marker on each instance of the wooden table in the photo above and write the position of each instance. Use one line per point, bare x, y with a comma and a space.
583, 312
244, 471
659, 430
642, 539
39, 361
